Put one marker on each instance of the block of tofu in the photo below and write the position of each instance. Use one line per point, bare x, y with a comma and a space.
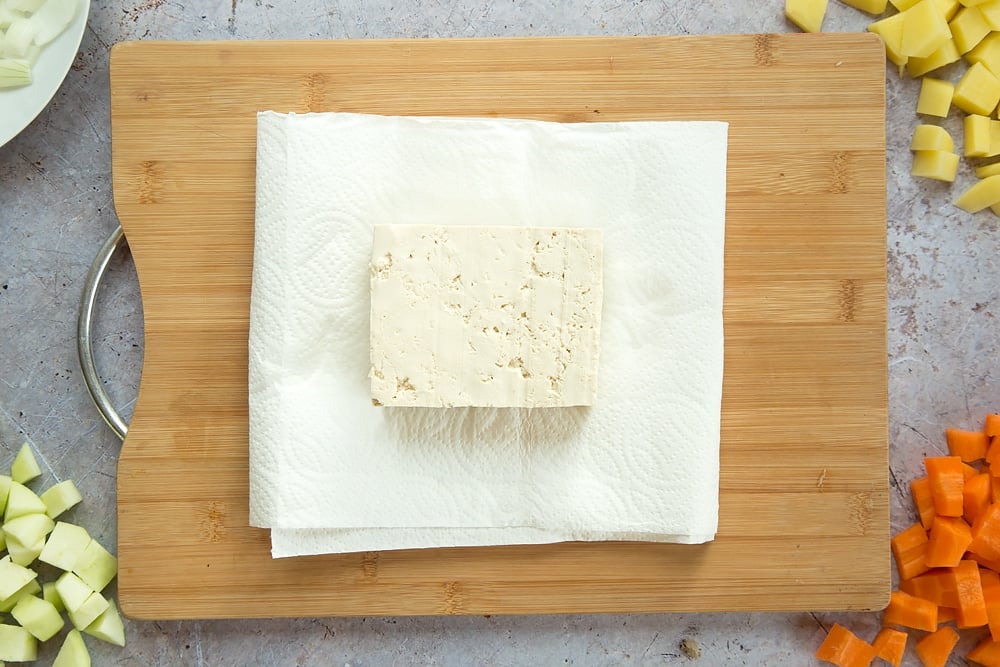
485, 316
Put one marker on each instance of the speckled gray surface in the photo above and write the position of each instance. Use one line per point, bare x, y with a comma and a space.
56, 208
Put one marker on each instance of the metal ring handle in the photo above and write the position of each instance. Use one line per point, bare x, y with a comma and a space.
83, 341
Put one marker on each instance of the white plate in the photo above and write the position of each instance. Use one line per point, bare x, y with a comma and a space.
20, 106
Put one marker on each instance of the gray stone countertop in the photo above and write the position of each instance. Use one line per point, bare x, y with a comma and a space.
56, 209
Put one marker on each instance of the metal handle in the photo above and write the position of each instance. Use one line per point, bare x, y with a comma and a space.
83, 342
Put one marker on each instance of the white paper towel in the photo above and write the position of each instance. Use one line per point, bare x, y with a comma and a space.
330, 472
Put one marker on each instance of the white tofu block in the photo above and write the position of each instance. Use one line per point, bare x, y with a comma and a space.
485, 316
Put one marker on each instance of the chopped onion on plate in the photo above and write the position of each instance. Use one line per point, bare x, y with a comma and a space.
25, 27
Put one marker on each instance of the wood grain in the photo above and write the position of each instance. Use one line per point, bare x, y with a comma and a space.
803, 498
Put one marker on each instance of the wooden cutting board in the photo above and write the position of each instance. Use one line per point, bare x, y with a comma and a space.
803, 498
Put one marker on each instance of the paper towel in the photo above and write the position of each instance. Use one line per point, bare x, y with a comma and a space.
330, 472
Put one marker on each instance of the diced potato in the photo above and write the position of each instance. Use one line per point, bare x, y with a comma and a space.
20, 501
977, 136
931, 138
972, 3
948, 8
30, 588
60, 498
17, 644
25, 468
991, 13
903, 5
947, 54
870, 6
108, 626
96, 567
983, 194
806, 14
38, 617
65, 546
935, 97
890, 29
978, 91
924, 30
13, 577
51, 595
73, 652
968, 28
985, 170
987, 52
939, 165
72, 590
29, 529
89, 611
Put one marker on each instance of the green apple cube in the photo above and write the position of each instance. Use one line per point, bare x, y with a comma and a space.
61, 497
3, 539
38, 617
73, 652
24, 554
88, 612
21, 501
13, 577
108, 626
72, 591
5, 482
50, 594
96, 567
25, 468
17, 644
65, 545
29, 529
29, 588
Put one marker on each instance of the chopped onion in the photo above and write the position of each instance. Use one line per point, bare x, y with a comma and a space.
52, 18
20, 35
14, 72
26, 6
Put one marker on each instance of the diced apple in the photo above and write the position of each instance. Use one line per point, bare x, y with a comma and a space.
38, 617
108, 626
30, 588
60, 498
72, 590
96, 567
24, 554
25, 468
806, 14
20, 501
50, 594
983, 194
73, 652
4, 491
89, 611
924, 29
29, 529
13, 577
65, 545
17, 644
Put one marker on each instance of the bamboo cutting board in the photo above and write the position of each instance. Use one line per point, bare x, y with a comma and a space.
803, 498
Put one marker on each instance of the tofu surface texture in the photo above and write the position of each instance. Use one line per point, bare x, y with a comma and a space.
485, 316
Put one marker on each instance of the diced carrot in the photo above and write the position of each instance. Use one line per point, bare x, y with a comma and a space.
976, 496
991, 594
909, 548
920, 489
986, 653
889, 645
934, 649
988, 563
971, 612
995, 482
937, 586
967, 445
989, 577
993, 451
949, 538
992, 425
845, 649
945, 614
947, 483
986, 534
968, 471
910, 612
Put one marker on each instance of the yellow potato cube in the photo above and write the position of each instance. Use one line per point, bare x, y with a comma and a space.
870, 6
948, 8
968, 28
972, 3
987, 52
935, 97
903, 5
991, 13
806, 14
947, 54
931, 138
978, 91
983, 194
991, 169
891, 31
924, 29
978, 139
939, 165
